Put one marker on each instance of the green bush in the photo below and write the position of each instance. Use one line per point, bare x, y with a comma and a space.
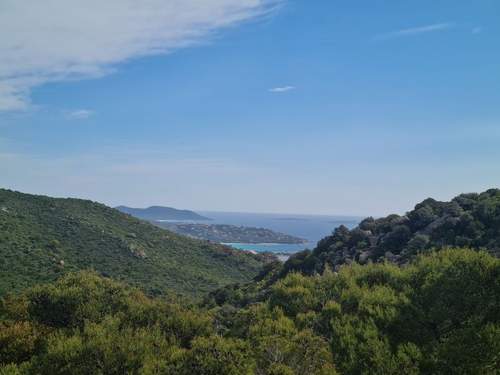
438, 315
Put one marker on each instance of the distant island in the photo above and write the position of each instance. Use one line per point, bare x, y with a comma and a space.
162, 213
224, 233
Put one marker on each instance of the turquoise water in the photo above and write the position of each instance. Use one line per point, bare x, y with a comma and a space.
273, 247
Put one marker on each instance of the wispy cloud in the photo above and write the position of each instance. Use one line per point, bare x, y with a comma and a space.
415, 31
477, 30
282, 89
47, 41
80, 114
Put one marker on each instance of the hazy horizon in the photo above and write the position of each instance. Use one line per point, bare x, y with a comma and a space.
204, 211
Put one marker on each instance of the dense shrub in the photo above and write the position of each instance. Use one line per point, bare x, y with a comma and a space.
438, 315
469, 220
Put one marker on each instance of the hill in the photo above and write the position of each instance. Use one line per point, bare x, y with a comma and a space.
161, 213
42, 238
468, 220
225, 233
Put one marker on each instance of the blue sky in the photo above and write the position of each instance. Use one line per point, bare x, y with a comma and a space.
329, 107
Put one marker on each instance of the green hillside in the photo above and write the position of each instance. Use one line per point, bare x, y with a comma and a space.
468, 220
42, 238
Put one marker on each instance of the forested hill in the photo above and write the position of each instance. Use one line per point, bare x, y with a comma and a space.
469, 220
42, 238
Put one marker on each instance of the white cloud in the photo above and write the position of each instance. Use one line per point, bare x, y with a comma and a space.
54, 40
415, 31
282, 89
80, 114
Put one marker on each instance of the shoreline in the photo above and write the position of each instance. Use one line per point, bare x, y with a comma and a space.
264, 243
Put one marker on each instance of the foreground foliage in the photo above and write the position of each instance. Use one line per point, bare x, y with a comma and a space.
42, 238
439, 315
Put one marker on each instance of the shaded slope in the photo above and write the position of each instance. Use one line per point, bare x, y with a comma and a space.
469, 220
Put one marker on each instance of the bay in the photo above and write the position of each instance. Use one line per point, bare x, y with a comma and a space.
310, 227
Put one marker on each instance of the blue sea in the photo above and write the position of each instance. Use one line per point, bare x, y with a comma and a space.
310, 227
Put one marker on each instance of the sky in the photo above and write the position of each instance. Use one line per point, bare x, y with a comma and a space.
289, 106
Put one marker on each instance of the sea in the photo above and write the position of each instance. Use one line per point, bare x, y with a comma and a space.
310, 227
